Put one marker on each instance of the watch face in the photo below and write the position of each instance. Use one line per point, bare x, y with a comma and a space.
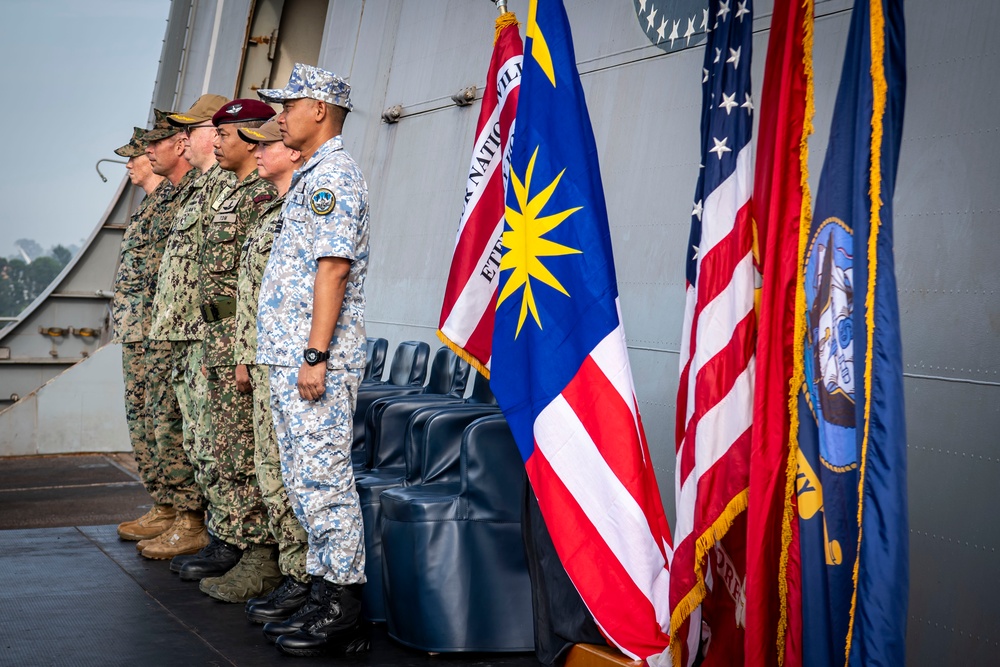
312, 356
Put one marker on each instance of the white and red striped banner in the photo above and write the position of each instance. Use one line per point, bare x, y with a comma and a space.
466, 324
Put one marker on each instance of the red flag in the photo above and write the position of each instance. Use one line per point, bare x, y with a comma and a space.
470, 296
780, 205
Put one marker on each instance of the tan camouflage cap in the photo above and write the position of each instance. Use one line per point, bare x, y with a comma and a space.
136, 146
265, 134
161, 128
202, 110
312, 82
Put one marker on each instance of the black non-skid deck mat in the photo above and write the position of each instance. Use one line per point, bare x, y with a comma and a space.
80, 596
51, 491
72, 593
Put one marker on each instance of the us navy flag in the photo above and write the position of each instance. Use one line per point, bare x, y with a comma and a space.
851, 481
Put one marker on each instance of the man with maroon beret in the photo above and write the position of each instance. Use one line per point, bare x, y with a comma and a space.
230, 410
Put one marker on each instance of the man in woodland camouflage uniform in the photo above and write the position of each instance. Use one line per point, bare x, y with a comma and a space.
130, 315
177, 319
275, 164
311, 332
230, 411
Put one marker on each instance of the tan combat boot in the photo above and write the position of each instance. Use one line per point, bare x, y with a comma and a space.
256, 574
150, 524
186, 536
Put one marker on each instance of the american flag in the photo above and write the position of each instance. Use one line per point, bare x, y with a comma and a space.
715, 394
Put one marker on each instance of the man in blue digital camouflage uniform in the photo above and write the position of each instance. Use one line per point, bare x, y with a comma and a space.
311, 332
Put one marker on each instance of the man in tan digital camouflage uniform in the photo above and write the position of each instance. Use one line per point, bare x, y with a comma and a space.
131, 317
177, 319
275, 164
230, 411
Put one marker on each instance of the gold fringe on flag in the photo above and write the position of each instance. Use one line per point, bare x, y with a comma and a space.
504, 20
696, 595
464, 356
879, 92
798, 340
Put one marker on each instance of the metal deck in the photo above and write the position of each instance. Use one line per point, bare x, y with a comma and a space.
72, 593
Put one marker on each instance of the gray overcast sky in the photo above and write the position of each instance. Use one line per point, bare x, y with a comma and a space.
76, 76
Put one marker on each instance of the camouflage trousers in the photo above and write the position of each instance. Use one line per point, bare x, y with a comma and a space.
143, 443
165, 425
314, 442
191, 389
285, 527
231, 439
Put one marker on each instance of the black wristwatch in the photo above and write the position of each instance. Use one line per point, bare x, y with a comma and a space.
313, 356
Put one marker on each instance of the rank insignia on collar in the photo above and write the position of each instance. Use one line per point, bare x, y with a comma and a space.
322, 201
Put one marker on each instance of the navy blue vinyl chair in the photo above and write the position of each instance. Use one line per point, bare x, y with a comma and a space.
449, 375
454, 567
376, 350
430, 446
408, 369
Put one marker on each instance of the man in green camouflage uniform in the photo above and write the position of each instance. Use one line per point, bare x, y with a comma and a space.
275, 164
162, 408
165, 152
177, 319
130, 315
231, 410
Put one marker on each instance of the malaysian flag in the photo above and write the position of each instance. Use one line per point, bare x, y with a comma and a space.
715, 394
466, 324
561, 369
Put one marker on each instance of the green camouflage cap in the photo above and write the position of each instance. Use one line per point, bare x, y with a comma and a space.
161, 127
136, 146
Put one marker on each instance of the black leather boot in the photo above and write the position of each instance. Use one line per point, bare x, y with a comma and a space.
283, 601
291, 625
177, 562
335, 626
214, 560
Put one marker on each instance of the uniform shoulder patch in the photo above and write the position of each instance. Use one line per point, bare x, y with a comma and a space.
322, 201
260, 199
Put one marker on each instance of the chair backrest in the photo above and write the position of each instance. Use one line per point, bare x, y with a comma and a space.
481, 392
433, 442
409, 363
376, 350
449, 374
493, 475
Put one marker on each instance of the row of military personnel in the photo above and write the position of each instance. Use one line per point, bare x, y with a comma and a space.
239, 303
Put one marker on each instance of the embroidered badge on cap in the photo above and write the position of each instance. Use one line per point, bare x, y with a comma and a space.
322, 201
235, 109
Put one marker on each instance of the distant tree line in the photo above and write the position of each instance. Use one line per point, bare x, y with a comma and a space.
22, 280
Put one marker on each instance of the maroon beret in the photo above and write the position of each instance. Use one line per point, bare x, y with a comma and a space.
241, 111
